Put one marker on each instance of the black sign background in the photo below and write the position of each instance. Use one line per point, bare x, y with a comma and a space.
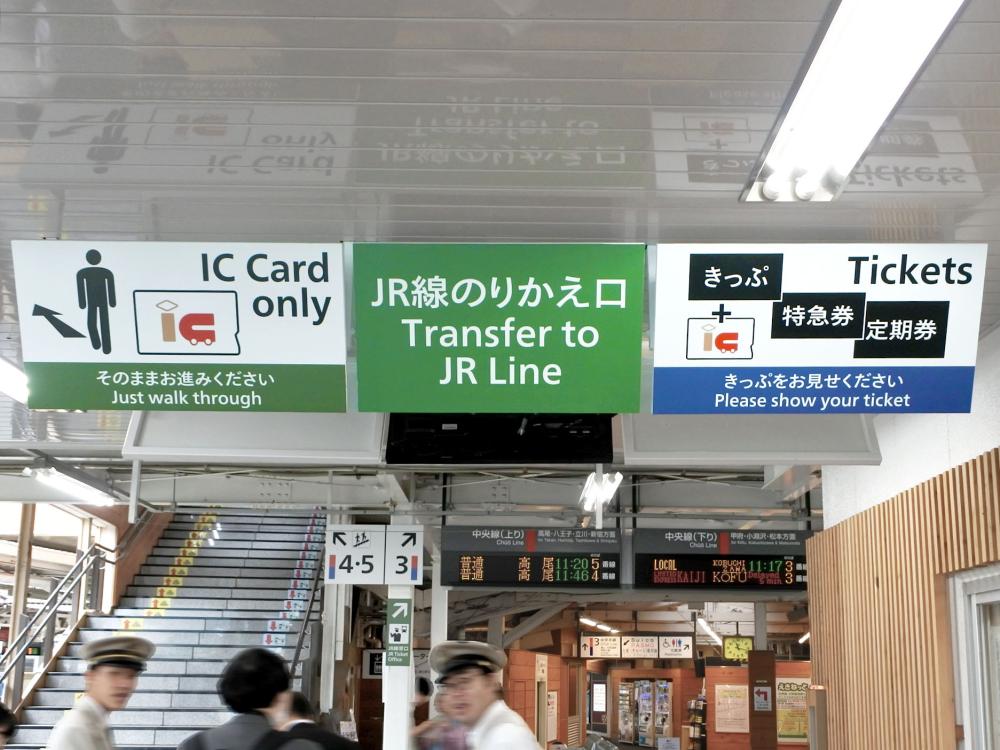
741, 264
502, 569
702, 571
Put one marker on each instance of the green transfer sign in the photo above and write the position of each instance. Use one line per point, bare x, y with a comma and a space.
182, 326
399, 626
499, 328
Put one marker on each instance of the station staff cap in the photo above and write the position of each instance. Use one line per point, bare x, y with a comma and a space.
120, 650
452, 656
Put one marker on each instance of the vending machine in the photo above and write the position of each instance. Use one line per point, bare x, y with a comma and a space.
644, 713
664, 713
626, 712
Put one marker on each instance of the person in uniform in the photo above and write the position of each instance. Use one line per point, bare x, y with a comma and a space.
113, 667
469, 674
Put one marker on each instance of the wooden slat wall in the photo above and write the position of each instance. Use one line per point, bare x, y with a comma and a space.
879, 611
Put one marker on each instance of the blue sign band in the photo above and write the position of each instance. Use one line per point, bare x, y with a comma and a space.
812, 390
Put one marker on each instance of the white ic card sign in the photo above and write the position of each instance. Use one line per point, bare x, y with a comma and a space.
640, 647
182, 326
821, 328
676, 647
375, 555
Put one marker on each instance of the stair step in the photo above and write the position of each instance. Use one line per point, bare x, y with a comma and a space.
208, 552
214, 592
239, 563
199, 653
200, 625
145, 737
169, 717
159, 667
227, 535
181, 601
223, 543
183, 638
142, 698
283, 572
72, 684
269, 613
231, 582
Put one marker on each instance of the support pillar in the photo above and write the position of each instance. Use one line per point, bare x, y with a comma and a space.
336, 628
760, 626
439, 610
397, 688
22, 582
494, 632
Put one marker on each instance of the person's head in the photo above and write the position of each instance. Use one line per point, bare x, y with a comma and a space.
424, 691
8, 725
93, 257
299, 707
113, 669
254, 680
469, 678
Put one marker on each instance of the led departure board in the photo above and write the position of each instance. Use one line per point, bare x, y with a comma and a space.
688, 558
475, 556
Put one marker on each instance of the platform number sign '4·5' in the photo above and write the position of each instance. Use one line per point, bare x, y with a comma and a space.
366, 554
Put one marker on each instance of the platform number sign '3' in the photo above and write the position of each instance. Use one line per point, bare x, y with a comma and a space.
365, 554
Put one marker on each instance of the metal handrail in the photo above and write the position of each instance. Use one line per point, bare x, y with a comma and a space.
133, 531
14, 655
95, 548
305, 620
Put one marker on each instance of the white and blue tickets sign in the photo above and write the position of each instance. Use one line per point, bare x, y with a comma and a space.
823, 328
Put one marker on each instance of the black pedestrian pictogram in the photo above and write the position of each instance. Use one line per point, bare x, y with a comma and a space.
95, 289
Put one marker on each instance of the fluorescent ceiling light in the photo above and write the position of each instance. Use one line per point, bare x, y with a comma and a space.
588, 621
599, 489
708, 631
13, 381
605, 628
70, 486
805, 638
870, 53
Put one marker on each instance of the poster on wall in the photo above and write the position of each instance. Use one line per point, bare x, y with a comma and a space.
816, 328
499, 328
552, 713
182, 326
792, 709
640, 647
732, 709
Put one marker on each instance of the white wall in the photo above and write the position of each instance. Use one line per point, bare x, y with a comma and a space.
916, 447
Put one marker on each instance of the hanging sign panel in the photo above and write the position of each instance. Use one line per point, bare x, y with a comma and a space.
600, 647
700, 558
861, 328
182, 326
476, 556
499, 328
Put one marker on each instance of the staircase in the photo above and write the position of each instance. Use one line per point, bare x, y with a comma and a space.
215, 584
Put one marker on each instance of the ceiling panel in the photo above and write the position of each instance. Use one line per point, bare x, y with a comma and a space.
481, 120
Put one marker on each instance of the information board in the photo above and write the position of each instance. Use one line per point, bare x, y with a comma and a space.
182, 326
816, 328
474, 556
370, 554
640, 647
499, 328
688, 558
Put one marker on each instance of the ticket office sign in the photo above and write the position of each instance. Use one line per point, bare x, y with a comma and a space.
178, 326
818, 328
499, 328
678, 558
542, 558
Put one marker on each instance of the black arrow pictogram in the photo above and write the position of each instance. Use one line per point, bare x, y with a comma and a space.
65, 330
339, 538
409, 538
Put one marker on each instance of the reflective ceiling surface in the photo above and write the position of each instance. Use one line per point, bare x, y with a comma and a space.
480, 120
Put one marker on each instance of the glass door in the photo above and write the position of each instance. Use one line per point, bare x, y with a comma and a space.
991, 644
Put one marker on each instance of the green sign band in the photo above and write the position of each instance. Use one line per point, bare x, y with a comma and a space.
186, 387
499, 328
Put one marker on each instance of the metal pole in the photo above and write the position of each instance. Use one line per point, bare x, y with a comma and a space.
49, 635
82, 545
17, 680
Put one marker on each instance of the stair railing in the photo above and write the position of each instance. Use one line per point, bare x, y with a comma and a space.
83, 585
307, 679
83, 582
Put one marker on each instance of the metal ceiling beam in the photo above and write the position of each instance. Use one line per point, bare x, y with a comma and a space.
531, 623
